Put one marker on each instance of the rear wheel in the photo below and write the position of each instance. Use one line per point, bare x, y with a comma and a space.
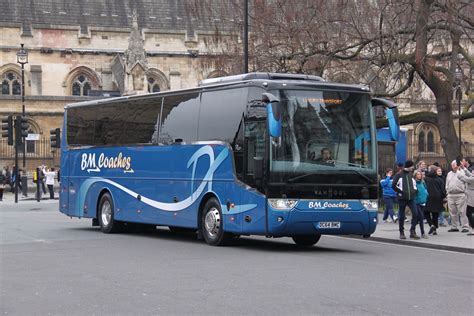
212, 224
107, 222
306, 240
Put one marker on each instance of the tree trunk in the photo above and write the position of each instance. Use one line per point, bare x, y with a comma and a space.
442, 88
447, 131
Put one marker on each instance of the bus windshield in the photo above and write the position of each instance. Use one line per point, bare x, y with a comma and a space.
322, 132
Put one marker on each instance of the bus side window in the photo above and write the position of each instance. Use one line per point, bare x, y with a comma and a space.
178, 118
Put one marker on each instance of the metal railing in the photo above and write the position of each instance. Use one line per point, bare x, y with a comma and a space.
38, 152
435, 153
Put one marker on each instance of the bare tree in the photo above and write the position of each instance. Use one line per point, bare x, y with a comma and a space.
392, 45
425, 38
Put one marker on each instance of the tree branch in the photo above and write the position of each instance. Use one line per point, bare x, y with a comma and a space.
418, 117
411, 75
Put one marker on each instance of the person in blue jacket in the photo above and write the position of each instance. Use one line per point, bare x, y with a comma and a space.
389, 196
420, 200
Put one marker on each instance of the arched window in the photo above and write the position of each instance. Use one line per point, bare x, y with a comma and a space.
153, 85
427, 133
421, 142
81, 85
430, 142
11, 83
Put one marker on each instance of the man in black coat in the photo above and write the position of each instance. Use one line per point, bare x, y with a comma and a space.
405, 186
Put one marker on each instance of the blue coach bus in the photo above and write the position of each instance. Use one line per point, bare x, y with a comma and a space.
259, 153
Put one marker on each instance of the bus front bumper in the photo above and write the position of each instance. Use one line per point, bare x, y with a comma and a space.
335, 221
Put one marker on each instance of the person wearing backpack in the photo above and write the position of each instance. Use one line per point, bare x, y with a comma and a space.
405, 186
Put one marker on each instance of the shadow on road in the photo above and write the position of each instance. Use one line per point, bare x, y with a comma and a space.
246, 242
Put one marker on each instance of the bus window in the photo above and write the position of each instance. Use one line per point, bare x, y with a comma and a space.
179, 118
221, 113
131, 122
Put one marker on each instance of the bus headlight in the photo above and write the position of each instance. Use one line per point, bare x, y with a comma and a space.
370, 205
282, 204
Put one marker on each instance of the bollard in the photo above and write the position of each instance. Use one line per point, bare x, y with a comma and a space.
24, 185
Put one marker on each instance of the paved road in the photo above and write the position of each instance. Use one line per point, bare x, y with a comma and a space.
51, 264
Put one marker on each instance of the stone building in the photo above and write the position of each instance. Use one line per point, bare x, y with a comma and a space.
88, 49
79, 50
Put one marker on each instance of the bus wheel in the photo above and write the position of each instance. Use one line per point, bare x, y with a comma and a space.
211, 224
306, 240
106, 215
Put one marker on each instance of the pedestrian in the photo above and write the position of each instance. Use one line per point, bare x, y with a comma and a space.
405, 186
50, 175
467, 176
440, 173
41, 178
389, 196
399, 167
13, 178
469, 163
436, 197
421, 166
16, 181
456, 190
3, 181
420, 200
8, 176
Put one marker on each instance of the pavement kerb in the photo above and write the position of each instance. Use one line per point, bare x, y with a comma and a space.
407, 242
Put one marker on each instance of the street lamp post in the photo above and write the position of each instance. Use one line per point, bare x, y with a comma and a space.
458, 80
246, 36
22, 59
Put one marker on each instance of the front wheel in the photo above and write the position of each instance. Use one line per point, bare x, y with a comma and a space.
306, 240
212, 224
107, 222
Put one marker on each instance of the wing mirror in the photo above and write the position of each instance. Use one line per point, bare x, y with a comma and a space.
391, 114
273, 114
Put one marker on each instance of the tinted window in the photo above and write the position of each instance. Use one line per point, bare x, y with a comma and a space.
180, 118
221, 114
127, 122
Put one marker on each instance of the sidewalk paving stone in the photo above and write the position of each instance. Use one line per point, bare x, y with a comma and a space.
455, 241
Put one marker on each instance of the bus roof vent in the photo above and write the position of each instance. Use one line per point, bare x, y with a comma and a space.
259, 75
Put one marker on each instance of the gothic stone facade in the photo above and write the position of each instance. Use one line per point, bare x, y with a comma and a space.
75, 51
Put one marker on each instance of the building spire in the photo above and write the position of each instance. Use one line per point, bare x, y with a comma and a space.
135, 52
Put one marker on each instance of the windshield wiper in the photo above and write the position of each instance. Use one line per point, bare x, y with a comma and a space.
365, 177
351, 164
301, 176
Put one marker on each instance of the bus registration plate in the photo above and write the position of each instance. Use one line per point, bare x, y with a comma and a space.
329, 225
